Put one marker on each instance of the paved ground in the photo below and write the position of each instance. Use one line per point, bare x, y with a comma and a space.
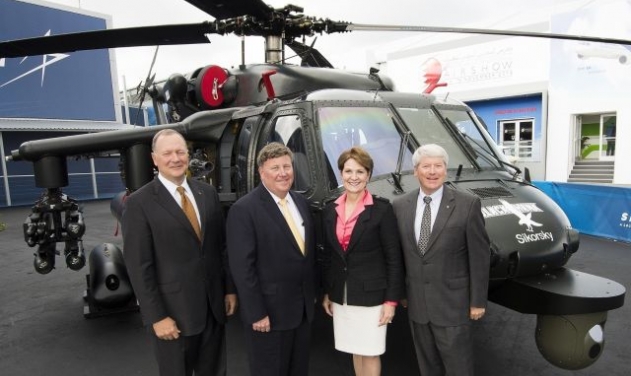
43, 331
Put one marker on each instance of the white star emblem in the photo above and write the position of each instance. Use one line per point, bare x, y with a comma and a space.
46, 61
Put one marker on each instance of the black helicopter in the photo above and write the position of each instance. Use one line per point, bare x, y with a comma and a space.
227, 116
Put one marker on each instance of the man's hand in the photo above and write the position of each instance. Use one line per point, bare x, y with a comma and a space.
476, 313
166, 329
262, 325
230, 301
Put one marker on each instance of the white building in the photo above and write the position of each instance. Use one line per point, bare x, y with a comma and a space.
552, 104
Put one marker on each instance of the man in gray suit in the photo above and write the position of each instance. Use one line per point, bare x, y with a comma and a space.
446, 252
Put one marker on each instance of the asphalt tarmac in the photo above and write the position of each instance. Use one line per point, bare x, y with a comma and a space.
43, 330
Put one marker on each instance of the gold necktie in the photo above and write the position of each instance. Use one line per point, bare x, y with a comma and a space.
190, 212
292, 225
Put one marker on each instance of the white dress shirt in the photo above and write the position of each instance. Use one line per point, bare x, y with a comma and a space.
172, 188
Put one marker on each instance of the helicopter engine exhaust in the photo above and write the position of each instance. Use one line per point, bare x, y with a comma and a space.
571, 341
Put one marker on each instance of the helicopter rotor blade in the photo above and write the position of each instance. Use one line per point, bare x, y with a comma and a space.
110, 38
333, 27
232, 8
259, 20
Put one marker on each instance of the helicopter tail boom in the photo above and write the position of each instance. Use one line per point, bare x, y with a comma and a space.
115, 140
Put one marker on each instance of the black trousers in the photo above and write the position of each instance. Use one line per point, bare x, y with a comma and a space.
279, 352
443, 350
203, 354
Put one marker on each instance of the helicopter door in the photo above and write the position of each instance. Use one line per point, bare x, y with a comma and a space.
244, 175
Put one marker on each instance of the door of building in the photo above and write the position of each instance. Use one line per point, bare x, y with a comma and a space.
579, 141
607, 143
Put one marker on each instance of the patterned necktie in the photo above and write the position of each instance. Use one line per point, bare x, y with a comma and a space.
190, 212
426, 226
292, 225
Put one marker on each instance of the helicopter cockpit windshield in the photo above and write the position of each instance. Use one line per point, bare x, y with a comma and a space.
375, 129
484, 149
428, 128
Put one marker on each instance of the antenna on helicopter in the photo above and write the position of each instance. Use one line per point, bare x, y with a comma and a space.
145, 89
375, 77
459, 172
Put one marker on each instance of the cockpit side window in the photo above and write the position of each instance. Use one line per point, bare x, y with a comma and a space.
428, 129
287, 130
477, 138
372, 128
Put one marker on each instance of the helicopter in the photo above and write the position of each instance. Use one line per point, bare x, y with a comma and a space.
228, 115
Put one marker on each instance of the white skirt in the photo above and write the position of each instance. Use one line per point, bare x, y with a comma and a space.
357, 330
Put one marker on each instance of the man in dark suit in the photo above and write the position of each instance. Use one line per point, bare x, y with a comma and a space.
177, 264
273, 265
447, 264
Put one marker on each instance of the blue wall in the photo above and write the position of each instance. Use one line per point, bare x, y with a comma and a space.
597, 210
74, 85
495, 110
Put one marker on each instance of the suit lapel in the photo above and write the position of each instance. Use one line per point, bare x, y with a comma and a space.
409, 216
306, 221
359, 228
164, 198
167, 201
271, 207
447, 205
331, 227
277, 217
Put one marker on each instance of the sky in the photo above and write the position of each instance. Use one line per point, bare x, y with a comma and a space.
343, 50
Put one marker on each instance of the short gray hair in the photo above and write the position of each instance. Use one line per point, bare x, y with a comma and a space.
432, 151
164, 132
